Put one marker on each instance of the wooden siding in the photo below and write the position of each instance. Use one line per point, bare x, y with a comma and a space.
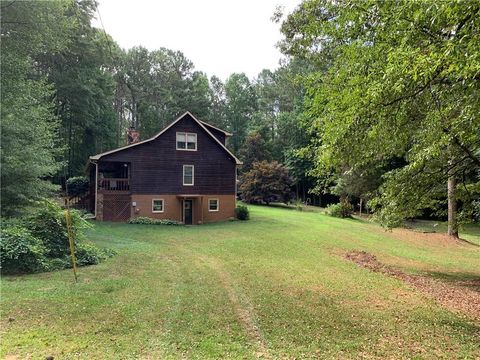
218, 134
157, 167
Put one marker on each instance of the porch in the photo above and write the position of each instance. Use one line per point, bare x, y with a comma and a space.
113, 177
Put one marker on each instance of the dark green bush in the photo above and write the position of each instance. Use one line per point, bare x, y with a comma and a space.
89, 254
342, 210
77, 186
48, 224
59, 263
149, 221
242, 212
20, 251
40, 242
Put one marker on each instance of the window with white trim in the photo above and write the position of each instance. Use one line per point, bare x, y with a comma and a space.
186, 141
188, 175
157, 205
213, 205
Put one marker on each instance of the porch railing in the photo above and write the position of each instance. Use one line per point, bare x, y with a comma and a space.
112, 184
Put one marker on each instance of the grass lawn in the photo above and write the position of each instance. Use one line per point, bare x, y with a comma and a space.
277, 286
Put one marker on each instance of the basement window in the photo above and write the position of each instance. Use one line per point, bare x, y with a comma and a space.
186, 141
213, 205
157, 206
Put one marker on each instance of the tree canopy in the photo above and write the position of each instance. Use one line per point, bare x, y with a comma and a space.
394, 80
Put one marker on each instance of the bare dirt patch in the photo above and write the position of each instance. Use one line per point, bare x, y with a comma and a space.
460, 296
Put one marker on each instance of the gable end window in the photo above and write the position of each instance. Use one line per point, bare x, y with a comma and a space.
186, 141
157, 206
188, 175
213, 205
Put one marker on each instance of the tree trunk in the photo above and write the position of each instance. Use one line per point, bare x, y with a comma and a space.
452, 207
361, 203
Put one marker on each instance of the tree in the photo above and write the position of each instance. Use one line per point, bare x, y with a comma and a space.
29, 127
253, 150
401, 80
240, 105
266, 182
217, 114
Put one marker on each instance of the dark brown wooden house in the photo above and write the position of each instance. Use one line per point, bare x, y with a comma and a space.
183, 173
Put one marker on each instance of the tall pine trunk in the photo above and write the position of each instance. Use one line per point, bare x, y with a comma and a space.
452, 204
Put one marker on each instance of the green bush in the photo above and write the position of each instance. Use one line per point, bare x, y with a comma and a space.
242, 212
40, 242
77, 185
59, 263
89, 254
20, 251
48, 224
342, 210
149, 221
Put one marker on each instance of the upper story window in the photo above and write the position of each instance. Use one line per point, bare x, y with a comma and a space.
186, 141
188, 174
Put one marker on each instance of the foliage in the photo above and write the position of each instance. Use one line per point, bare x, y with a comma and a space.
90, 254
77, 185
39, 242
266, 182
20, 251
342, 210
253, 150
29, 126
240, 105
393, 80
242, 212
149, 221
48, 224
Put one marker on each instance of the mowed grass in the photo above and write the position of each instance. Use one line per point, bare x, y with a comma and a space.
276, 286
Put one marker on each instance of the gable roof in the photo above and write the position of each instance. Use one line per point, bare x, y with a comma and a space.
202, 124
216, 128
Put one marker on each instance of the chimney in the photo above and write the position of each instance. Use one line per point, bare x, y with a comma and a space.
133, 136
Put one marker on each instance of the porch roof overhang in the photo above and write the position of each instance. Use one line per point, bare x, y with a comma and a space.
189, 196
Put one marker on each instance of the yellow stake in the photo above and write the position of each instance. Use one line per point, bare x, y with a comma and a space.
70, 239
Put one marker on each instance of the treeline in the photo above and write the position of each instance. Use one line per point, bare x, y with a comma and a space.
69, 91
377, 103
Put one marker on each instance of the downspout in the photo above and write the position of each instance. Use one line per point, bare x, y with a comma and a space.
236, 182
96, 188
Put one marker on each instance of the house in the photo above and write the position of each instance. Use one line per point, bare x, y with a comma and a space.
184, 173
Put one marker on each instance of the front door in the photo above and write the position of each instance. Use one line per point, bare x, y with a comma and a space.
188, 212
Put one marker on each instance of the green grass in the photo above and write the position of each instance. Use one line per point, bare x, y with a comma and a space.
276, 286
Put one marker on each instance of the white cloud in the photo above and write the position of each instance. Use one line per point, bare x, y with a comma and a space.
220, 37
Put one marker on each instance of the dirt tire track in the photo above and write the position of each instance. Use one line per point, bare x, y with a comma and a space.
462, 297
243, 309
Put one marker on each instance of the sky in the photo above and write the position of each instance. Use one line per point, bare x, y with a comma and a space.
219, 37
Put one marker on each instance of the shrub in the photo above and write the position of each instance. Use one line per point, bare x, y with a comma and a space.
48, 224
266, 182
242, 212
298, 205
59, 263
40, 242
77, 185
149, 221
342, 210
89, 254
20, 251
